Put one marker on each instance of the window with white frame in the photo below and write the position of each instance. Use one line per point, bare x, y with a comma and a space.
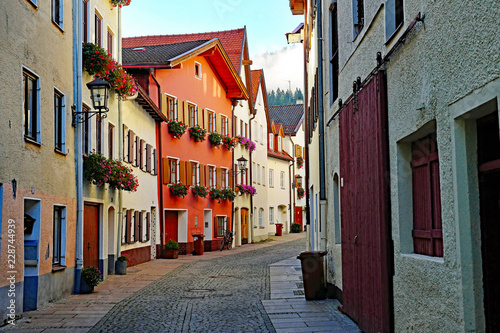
254, 132
271, 141
279, 148
173, 166
271, 214
261, 217
59, 236
193, 114
212, 176
211, 121
31, 106
263, 175
225, 177
261, 135
224, 125
110, 42
171, 108
271, 178
258, 173
221, 225
86, 15
282, 179
98, 29
195, 173
197, 70
58, 13
254, 179
59, 122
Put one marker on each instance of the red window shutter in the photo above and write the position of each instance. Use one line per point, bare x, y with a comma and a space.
148, 225
136, 226
148, 157
128, 230
130, 146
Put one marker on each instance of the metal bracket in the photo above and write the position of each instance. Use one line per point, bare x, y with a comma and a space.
78, 117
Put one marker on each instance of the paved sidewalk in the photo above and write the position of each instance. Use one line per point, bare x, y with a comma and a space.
290, 312
79, 313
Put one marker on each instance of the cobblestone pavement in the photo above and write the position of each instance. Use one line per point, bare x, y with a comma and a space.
219, 295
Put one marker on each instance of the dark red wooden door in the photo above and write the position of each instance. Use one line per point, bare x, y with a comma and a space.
365, 228
91, 236
171, 226
298, 216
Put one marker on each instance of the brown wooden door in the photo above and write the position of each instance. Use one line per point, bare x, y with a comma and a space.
365, 228
91, 236
171, 226
244, 226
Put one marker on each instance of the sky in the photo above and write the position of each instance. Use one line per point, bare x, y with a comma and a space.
266, 21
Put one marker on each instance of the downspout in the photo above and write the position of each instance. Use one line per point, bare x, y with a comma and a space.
160, 180
292, 190
322, 180
292, 214
306, 124
233, 225
120, 142
77, 99
254, 113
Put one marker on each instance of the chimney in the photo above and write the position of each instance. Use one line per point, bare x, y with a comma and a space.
299, 101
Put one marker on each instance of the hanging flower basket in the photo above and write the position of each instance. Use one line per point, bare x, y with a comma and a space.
176, 128
200, 191
179, 190
229, 142
247, 189
216, 194
228, 194
215, 139
300, 192
300, 162
97, 62
99, 170
247, 143
120, 3
197, 133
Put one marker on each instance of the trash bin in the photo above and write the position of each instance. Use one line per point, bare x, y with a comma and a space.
313, 274
199, 245
279, 229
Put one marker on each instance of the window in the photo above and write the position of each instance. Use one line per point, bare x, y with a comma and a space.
254, 132
271, 178
212, 176
261, 217
31, 106
358, 16
98, 30
57, 12
59, 236
211, 121
171, 108
427, 226
261, 135
334, 54
241, 128
282, 179
193, 115
220, 226
197, 70
86, 130
263, 175
235, 124
225, 180
279, 148
394, 16
195, 173
85, 21
111, 140
271, 214
271, 141
172, 164
98, 134
224, 125
110, 43
254, 179
59, 122
258, 174
246, 130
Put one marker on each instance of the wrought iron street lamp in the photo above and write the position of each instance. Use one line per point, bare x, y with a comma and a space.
242, 165
99, 94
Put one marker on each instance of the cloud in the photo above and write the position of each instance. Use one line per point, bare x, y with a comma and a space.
282, 66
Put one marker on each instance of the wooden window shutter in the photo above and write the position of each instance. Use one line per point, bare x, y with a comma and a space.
202, 175
164, 105
141, 227
219, 177
235, 123
136, 226
128, 230
186, 113
182, 172
155, 162
246, 176
200, 116
219, 123
130, 146
137, 150
231, 182
124, 141
189, 174
141, 154
205, 119
235, 173
148, 157
148, 225
166, 171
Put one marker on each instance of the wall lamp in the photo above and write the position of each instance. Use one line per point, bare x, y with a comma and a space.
99, 93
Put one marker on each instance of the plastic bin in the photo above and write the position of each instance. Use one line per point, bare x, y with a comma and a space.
313, 274
279, 229
199, 245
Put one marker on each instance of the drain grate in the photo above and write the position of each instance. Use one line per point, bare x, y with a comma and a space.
298, 292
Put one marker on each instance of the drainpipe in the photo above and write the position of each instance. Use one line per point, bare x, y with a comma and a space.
233, 225
77, 99
322, 180
120, 142
254, 113
292, 214
292, 192
306, 125
159, 152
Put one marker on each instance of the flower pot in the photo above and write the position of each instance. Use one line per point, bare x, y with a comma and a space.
171, 254
121, 267
85, 288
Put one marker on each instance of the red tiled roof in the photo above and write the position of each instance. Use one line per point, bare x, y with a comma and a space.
255, 75
280, 155
232, 41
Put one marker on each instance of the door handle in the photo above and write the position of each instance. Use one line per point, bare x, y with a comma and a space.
356, 240
88, 246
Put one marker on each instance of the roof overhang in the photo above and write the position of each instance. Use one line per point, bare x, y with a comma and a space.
147, 104
297, 7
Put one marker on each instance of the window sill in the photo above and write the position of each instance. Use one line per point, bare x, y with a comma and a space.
59, 152
394, 34
438, 260
33, 4
261, 227
57, 268
27, 139
58, 27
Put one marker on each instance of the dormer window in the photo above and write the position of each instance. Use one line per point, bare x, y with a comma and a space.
197, 70
280, 148
271, 141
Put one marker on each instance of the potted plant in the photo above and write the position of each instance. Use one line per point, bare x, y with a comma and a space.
300, 192
176, 128
247, 143
229, 142
197, 133
199, 191
99, 170
228, 194
295, 228
247, 189
120, 3
121, 265
171, 250
91, 276
215, 139
179, 190
300, 162
216, 194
